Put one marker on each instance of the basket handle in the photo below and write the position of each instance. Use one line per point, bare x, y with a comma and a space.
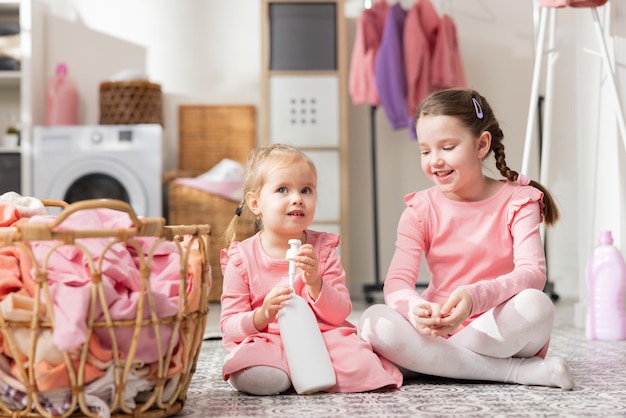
55, 203
114, 204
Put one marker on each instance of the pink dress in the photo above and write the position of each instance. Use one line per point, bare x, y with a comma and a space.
492, 247
249, 274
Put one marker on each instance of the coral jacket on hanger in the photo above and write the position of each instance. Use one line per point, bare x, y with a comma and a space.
369, 32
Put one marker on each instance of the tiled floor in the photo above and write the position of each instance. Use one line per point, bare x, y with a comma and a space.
599, 369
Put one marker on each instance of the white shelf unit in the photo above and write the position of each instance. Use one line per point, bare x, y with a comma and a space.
16, 87
304, 96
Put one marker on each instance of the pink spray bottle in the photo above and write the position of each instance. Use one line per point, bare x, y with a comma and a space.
606, 284
61, 99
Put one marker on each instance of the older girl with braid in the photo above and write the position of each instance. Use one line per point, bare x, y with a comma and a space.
483, 315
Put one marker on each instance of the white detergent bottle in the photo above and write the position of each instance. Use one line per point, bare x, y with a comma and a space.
606, 283
307, 356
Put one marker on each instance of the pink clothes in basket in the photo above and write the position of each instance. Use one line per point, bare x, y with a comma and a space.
69, 277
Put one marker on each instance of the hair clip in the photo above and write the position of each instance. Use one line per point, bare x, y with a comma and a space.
238, 211
478, 108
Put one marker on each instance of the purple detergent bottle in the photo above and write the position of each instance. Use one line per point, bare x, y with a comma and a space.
606, 284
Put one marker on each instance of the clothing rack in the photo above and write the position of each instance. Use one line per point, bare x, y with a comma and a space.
547, 21
377, 286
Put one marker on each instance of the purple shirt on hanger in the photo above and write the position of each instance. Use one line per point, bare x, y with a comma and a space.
389, 73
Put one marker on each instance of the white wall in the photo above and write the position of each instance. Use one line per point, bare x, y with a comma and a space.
200, 51
209, 51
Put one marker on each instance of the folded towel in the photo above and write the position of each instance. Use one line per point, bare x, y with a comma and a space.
224, 179
27, 206
10, 47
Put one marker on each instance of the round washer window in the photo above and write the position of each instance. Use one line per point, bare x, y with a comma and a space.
96, 186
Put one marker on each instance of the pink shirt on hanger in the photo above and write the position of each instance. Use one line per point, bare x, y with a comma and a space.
419, 39
447, 65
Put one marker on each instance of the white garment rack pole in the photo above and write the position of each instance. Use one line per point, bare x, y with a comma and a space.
546, 137
534, 96
609, 67
534, 91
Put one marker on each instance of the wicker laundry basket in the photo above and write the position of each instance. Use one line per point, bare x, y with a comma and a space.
208, 134
177, 337
130, 102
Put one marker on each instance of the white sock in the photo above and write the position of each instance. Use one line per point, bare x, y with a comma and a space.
551, 371
260, 380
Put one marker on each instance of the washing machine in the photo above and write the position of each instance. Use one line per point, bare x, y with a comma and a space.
124, 162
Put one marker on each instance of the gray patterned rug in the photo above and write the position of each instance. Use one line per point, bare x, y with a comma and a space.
599, 369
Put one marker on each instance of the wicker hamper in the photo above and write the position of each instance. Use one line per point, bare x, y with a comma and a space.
177, 337
190, 206
208, 134
130, 102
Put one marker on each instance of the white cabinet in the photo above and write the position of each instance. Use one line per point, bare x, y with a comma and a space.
16, 89
304, 93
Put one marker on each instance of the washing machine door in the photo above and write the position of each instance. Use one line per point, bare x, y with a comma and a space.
98, 178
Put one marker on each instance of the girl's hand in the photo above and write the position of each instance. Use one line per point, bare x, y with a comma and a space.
438, 321
427, 318
271, 305
455, 311
306, 261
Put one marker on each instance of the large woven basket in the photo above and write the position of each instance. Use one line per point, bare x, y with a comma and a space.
208, 134
178, 337
130, 102
192, 206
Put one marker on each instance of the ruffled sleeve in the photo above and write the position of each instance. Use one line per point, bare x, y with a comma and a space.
333, 304
231, 252
327, 244
527, 195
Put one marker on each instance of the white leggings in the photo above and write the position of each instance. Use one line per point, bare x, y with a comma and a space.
500, 345
260, 380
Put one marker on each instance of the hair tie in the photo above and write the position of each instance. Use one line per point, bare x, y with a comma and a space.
238, 211
478, 108
523, 180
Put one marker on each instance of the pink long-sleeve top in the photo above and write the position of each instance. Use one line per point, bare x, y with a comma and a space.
249, 274
492, 248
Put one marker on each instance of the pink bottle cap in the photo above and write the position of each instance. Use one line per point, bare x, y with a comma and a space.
606, 238
61, 69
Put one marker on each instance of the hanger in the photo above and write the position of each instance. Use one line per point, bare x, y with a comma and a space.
474, 9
